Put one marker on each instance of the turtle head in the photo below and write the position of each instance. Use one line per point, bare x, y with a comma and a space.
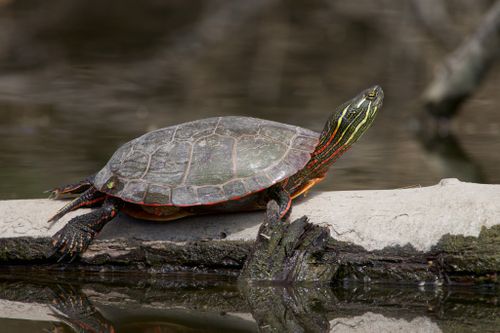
370, 98
354, 117
346, 125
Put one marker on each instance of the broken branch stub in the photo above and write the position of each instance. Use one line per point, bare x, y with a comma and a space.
288, 252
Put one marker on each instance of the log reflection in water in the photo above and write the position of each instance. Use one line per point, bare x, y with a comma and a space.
176, 304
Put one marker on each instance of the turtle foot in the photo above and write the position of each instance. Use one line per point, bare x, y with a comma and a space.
76, 236
72, 240
283, 200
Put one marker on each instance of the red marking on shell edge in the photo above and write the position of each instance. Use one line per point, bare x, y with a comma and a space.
190, 205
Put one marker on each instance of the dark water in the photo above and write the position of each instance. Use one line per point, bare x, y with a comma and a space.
79, 78
208, 304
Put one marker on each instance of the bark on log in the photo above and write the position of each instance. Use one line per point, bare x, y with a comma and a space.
449, 232
289, 252
463, 70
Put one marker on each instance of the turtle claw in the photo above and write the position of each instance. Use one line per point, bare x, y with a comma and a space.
53, 193
70, 190
70, 241
57, 193
75, 237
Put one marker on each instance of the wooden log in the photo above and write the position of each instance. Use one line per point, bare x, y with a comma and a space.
447, 233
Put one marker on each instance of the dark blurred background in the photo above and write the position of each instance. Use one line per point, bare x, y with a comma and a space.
78, 78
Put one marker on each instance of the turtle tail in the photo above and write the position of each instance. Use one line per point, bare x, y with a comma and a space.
88, 198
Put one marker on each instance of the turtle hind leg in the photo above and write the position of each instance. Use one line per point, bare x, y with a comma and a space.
75, 188
284, 201
78, 233
88, 198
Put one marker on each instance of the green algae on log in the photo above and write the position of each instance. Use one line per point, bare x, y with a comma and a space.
466, 258
303, 252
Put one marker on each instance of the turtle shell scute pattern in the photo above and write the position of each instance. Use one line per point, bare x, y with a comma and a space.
206, 161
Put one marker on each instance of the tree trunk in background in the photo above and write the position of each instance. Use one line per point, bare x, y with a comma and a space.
463, 70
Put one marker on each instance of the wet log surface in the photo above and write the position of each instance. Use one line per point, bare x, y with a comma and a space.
443, 234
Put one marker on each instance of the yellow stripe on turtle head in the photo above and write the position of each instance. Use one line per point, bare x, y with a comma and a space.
367, 115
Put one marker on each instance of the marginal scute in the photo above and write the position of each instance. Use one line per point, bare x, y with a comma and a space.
157, 194
184, 196
111, 184
252, 184
262, 180
211, 163
234, 188
210, 194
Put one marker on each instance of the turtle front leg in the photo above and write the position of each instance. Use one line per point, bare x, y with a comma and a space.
88, 198
75, 188
283, 199
74, 238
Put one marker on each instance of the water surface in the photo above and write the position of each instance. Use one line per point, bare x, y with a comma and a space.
208, 304
76, 83
79, 78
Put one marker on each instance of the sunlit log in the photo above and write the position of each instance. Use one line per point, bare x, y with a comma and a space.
439, 234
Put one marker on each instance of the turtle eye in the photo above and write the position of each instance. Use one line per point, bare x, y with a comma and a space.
371, 95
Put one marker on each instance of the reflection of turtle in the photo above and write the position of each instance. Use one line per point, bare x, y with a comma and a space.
71, 306
223, 164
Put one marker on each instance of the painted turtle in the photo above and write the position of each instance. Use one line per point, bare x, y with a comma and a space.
223, 164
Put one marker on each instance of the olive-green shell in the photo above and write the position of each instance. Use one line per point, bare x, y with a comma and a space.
206, 161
